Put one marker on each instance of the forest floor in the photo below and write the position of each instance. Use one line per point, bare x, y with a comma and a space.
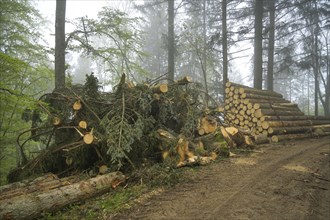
277, 181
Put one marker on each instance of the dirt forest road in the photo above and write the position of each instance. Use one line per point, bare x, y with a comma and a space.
283, 181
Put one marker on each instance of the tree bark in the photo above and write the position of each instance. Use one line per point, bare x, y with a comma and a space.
224, 44
278, 138
28, 206
271, 42
261, 139
296, 118
315, 56
260, 92
60, 44
296, 123
258, 44
204, 62
327, 85
300, 129
171, 42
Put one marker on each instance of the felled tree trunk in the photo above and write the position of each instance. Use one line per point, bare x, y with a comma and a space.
31, 205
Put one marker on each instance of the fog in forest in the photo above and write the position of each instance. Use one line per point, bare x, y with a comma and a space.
274, 45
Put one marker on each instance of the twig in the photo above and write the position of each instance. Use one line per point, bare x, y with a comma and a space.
98, 153
50, 137
156, 80
77, 143
72, 148
121, 129
44, 108
321, 178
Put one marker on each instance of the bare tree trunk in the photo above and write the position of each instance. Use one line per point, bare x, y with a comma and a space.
327, 86
60, 44
170, 11
271, 42
258, 44
316, 62
204, 54
224, 45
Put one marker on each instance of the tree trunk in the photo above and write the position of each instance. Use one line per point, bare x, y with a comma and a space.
327, 85
258, 44
60, 44
296, 123
315, 56
224, 45
278, 138
204, 62
271, 42
295, 118
261, 139
30, 205
170, 62
260, 92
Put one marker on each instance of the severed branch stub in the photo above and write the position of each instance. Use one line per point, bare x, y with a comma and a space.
77, 105
88, 138
56, 121
83, 124
185, 80
160, 88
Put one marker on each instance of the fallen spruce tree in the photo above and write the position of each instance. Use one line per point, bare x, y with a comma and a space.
83, 129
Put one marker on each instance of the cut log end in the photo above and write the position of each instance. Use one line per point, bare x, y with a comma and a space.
83, 124
184, 80
88, 138
103, 169
160, 88
56, 121
77, 105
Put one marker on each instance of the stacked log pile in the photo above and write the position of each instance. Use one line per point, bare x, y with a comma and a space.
268, 116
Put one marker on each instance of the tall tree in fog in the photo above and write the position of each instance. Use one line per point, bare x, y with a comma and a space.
171, 40
204, 61
155, 29
271, 42
258, 14
315, 54
224, 44
316, 57
60, 44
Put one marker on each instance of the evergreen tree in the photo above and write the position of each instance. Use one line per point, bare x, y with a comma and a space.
154, 27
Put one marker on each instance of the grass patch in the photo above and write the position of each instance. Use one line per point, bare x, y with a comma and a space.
100, 207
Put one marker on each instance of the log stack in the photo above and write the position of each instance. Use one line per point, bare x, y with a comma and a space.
267, 113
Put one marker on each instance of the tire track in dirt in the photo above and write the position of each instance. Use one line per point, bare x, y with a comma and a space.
269, 172
275, 182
